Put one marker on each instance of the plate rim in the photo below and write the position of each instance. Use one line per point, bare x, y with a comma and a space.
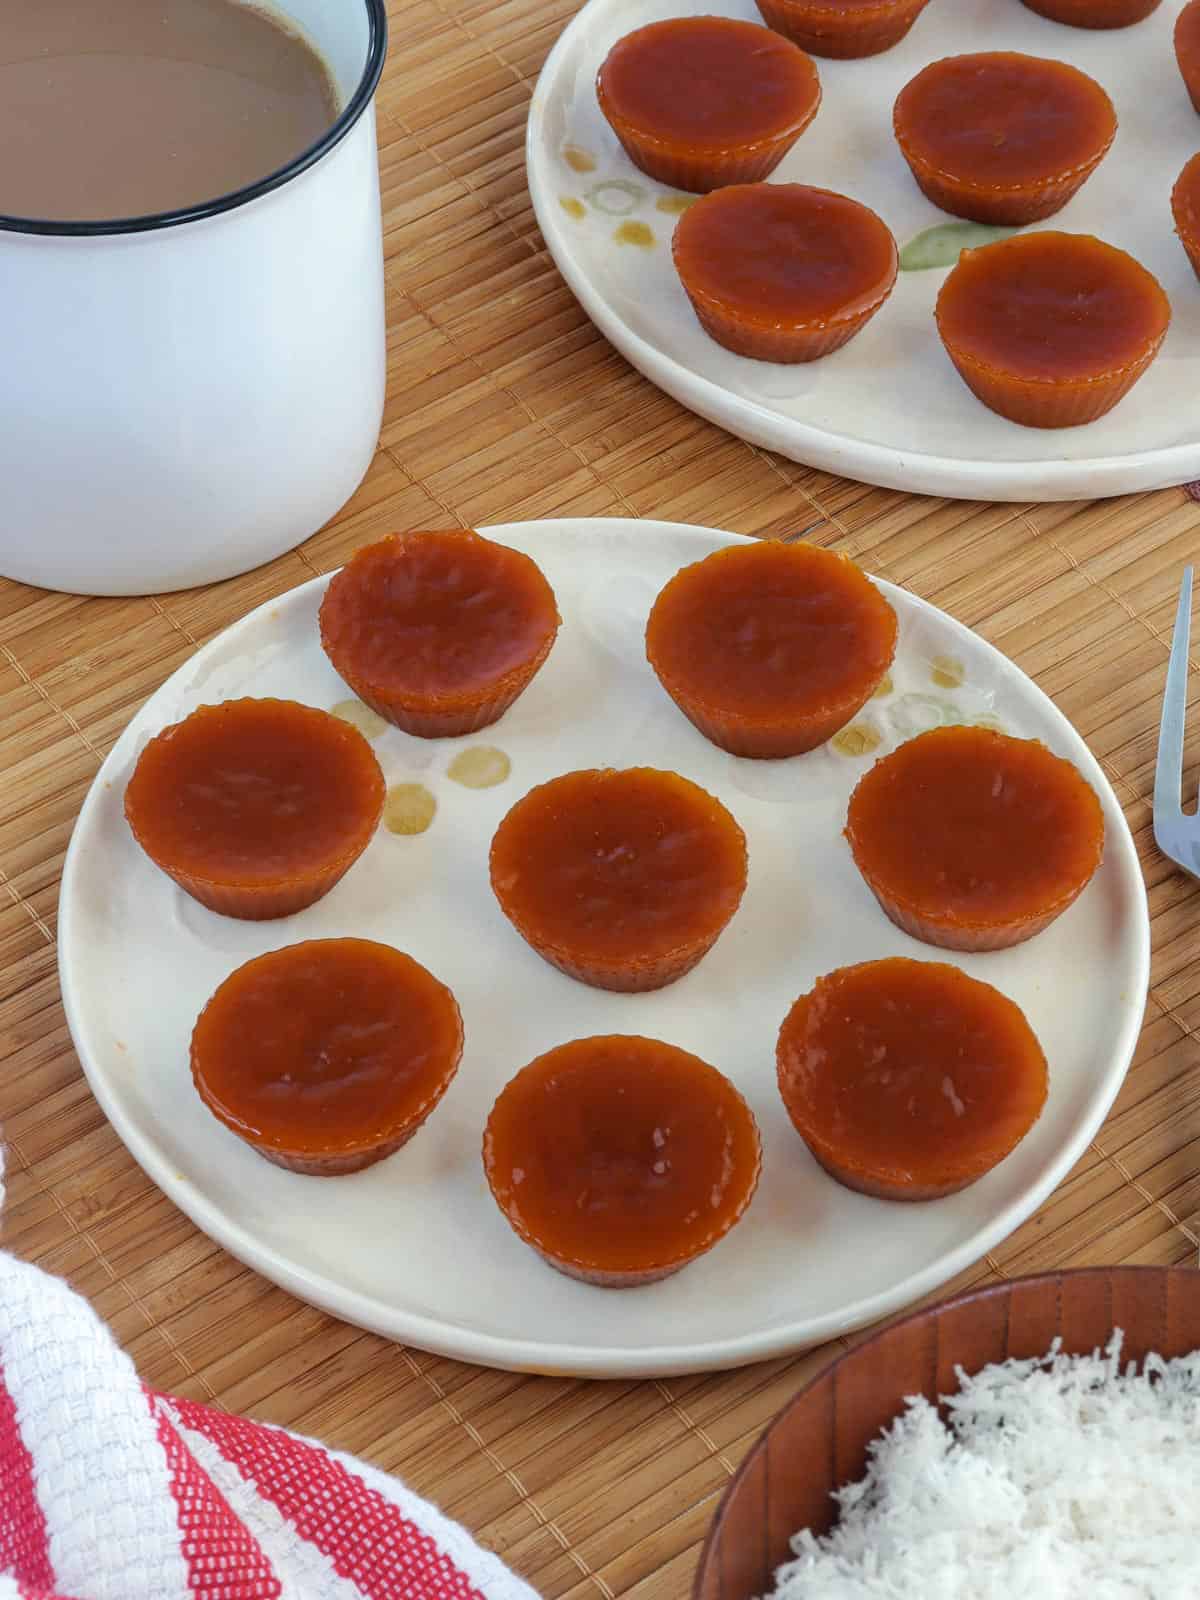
463, 1343
884, 466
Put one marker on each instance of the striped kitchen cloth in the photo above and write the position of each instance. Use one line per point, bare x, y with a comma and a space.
109, 1491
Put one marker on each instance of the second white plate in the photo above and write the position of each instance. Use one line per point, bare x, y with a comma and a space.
415, 1247
888, 408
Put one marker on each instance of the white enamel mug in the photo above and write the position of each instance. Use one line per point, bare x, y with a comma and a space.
186, 396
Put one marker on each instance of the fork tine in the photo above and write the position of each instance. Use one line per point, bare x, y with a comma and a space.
1168, 771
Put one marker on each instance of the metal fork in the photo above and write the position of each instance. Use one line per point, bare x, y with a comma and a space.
1176, 835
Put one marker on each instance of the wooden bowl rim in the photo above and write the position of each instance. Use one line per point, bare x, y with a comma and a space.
968, 1297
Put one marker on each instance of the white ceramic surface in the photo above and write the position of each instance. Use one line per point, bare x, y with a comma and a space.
182, 403
415, 1247
888, 408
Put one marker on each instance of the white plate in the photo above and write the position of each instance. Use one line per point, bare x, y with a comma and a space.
888, 408
415, 1247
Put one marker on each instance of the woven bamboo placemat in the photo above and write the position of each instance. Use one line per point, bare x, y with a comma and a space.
505, 403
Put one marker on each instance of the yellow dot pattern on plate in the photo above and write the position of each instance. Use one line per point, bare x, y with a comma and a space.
573, 208
369, 723
480, 767
408, 809
637, 233
578, 160
673, 205
859, 739
947, 672
885, 687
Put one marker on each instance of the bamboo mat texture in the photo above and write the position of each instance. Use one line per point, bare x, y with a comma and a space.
505, 403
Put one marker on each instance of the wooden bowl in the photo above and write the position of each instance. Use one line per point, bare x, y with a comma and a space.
819, 1440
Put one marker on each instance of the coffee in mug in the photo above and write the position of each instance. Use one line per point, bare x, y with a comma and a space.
135, 107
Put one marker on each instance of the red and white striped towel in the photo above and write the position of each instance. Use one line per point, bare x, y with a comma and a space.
109, 1491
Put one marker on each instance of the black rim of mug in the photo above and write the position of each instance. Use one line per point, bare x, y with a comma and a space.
359, 101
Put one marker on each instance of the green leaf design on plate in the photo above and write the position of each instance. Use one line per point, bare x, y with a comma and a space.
616, 197
941, 246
